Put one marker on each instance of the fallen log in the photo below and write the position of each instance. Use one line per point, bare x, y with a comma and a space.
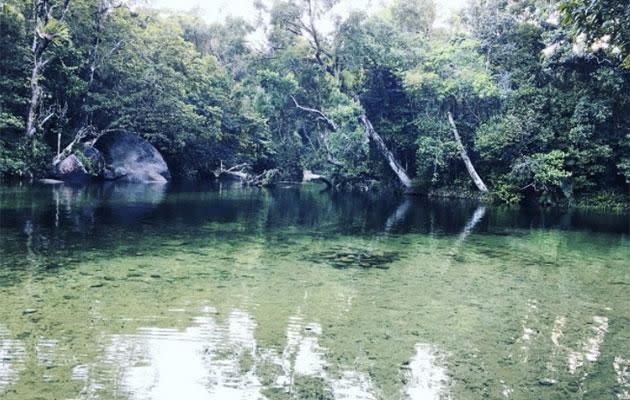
464, 154
309, 176
240, 173
385, 152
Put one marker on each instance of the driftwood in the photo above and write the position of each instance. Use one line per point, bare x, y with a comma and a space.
309, 176
80, 135
236, 172
464, 154
240, 172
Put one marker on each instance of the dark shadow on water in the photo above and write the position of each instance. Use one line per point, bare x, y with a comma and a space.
63, 221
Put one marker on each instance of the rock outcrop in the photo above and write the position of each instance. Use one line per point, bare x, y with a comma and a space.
80, 166
95, 160
130, 158
71, 169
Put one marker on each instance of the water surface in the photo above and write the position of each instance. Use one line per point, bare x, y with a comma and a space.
158, 292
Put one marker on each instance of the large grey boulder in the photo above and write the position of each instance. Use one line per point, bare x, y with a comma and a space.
95, 160
80, 166
130, 158
71, 169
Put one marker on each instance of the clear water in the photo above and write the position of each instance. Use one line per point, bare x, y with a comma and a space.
155, 292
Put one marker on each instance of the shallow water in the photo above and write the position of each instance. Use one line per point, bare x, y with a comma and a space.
156, 292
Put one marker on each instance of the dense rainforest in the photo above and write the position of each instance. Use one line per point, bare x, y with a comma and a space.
527, 100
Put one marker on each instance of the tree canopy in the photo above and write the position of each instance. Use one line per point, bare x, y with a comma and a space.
530, 97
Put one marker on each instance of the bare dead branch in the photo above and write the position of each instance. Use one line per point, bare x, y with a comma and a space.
309, 176
45, 119
331, 124
81, 133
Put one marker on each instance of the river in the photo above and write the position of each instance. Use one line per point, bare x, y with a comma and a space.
216, 292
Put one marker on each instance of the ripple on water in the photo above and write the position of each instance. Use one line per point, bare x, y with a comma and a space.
622, 370
12, 356
353, 385
45, 350
205, 361
427, 378
201, 362
591, 346
310, 361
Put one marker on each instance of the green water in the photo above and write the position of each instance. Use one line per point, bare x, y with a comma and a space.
151, 292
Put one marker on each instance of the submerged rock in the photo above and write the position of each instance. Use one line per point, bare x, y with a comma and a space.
130, 158
341, 257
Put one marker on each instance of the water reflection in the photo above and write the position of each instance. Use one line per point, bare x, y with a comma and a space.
622, 369
105, 291
590, 350
563, 356
472, 223
45, 351
220, 359
114, 205
427, 378
12, 357
128, 202
399, 215
200, 362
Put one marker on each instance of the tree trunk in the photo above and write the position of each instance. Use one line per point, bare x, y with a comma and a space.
389, 156
102, 10
36, 91
371, 134
42, 13
462, 151
40, 42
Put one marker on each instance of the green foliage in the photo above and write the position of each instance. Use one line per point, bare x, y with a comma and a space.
544, 172
453, 70
623, 165
436, 150
414, 16
23, 158
507, 191
136, 71
541, 108
504, 138
606, 201
310, 388
597, 20
54, 30
14, 151
87, 163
